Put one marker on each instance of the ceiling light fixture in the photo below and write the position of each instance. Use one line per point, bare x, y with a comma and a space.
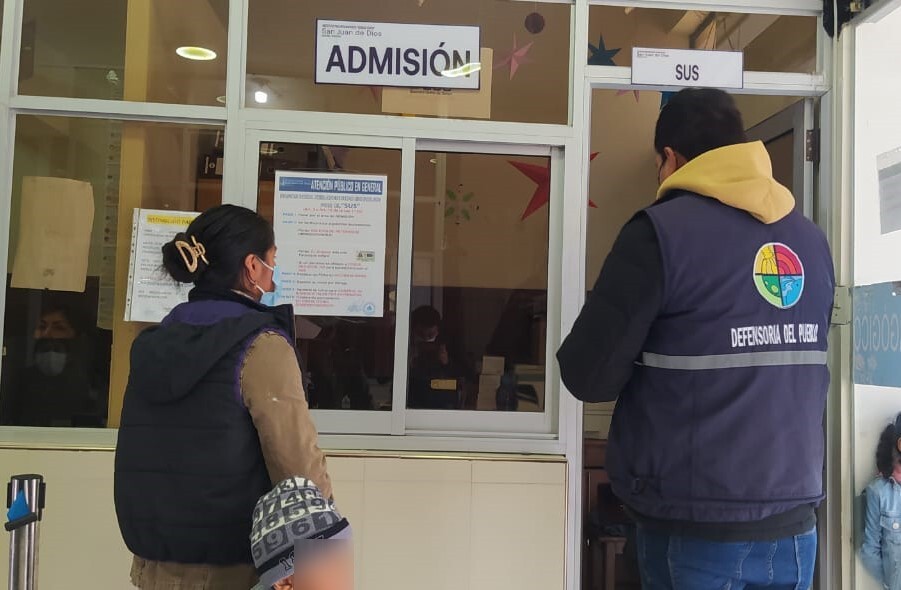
260, 97
196, 53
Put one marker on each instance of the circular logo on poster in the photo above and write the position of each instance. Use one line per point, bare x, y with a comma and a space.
779, 275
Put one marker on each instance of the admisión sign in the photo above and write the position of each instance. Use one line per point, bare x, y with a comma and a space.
387, 54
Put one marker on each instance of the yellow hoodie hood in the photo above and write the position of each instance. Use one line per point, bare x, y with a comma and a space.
740, 176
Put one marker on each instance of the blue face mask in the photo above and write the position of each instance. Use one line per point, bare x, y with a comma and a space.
271, 298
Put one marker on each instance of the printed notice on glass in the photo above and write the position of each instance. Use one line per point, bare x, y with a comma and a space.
152, 293
888, 167
390, 54
330, 230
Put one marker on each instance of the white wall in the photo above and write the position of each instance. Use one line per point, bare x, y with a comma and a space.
419, 523
877, 129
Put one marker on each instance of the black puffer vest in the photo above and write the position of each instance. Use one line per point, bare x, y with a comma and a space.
189, 468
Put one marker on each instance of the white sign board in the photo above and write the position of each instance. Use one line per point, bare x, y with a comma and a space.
685, 68
152, 293
386, 54
330, 230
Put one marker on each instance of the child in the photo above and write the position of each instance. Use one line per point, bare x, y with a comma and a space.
881, 551
299, 540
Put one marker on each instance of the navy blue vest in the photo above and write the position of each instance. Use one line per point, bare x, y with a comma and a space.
722, 420
189, 467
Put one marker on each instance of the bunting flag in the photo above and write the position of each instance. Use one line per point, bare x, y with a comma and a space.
515, 58
541, 176
600, 55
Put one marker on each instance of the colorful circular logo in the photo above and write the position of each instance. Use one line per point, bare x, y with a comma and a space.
779, 275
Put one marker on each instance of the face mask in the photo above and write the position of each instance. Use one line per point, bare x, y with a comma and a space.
51, 362
271, 298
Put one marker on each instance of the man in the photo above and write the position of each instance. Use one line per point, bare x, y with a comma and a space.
709, 322
299, 540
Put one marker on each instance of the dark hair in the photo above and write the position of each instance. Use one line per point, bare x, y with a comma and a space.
226, 234
75, 319
425, 317
698, 120
887, 451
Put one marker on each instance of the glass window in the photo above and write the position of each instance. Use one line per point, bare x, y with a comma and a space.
349, 360
137, 50
479, 293
526, 45
770, 43
65, 349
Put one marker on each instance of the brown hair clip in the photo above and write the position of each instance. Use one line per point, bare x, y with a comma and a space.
192, 253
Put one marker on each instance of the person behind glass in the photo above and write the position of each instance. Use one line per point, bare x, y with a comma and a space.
881, 550
435, 379
56, 389
214, 411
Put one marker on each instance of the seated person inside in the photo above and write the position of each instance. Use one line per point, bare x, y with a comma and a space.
58, 386
437, 381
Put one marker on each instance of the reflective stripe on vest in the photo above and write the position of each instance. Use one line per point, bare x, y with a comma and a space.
735, 361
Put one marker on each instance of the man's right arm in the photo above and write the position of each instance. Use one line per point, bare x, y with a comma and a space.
598, 357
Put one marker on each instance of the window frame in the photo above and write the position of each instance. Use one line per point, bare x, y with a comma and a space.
561, 427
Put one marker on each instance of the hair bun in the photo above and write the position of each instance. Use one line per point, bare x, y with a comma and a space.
185, 258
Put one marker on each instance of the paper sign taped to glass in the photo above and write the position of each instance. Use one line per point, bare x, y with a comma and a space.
152, 293
331, 236
55, 224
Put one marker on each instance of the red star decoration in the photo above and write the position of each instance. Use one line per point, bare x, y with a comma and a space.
541, 176
515, 58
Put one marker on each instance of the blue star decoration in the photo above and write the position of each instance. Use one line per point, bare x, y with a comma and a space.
600, 55
665, 97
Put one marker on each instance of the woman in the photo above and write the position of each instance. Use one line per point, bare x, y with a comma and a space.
214, 411
881, 551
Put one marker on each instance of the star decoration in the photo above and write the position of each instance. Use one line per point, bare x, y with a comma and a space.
515, 58
541, 176
635, 92
665, 97
600, 55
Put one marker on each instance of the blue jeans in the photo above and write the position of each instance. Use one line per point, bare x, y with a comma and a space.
670, 562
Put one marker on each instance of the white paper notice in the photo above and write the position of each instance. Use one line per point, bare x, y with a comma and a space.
330, 230
152, 293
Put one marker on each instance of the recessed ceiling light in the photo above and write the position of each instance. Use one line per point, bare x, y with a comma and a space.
260, 97
220, 99
196, 53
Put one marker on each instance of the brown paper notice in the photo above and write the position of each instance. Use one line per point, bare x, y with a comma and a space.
54, 234
467, 104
